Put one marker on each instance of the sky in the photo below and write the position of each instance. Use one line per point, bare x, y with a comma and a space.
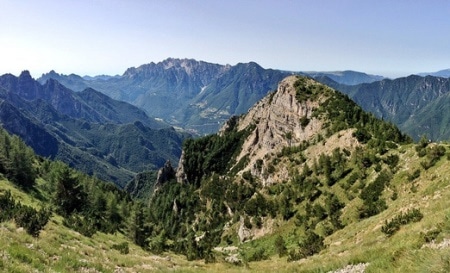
392, 38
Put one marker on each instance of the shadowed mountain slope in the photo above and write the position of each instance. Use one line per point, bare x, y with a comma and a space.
88, 130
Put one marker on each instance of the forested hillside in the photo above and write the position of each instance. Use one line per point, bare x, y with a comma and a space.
87, 204
46, 198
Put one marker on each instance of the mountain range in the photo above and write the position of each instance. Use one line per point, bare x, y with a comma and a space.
445, 73
417, 105
346, 77
194, 95
104, 136
200, 96
87, 129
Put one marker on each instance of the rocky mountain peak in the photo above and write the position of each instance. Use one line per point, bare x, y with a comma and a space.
165, 174
295, 115
51, 74
189, 67
278, 123
28, 88
185, 64
286, 118
25, 75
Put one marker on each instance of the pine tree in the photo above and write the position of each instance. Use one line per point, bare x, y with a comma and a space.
22, 171
138, 229
69, 195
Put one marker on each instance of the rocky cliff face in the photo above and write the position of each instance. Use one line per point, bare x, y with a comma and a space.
281, 121
195, 73
277, 125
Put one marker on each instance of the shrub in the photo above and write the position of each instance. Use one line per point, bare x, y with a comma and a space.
414, 175
31, 220
304, 121
371, 196
394, 196
247, 222
434, 153
353, 178
7, 205
362, 135
420, 147
280, 246
122, 248
392, 226
80, 224
294, 255
311, 245
430, 235
259, 255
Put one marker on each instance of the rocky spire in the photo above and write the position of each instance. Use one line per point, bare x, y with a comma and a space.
165, 174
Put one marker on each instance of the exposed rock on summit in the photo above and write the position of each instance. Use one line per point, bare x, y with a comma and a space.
281, 120
165, 174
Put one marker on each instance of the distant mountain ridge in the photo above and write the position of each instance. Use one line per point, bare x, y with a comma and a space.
445, 73
88, 130
347, 77
193, 94
417, 105
200, 96
89, 104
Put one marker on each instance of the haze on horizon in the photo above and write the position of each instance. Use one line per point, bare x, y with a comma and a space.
92, 37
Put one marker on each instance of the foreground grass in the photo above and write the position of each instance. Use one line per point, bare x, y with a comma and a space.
59, 249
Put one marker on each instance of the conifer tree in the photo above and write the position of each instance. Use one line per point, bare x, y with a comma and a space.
138, 229
69, 195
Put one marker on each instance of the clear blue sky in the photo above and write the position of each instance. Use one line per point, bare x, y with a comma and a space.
89, 37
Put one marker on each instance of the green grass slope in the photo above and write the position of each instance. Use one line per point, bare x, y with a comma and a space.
422, 246
61, 249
